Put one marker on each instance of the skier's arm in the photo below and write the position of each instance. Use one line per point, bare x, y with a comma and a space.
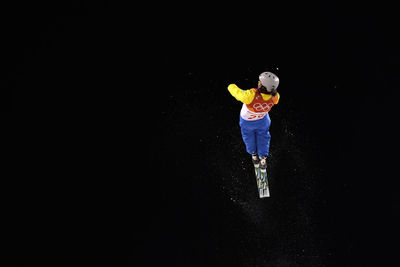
245, 96
276, 98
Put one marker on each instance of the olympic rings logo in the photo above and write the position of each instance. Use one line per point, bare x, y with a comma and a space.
263, 106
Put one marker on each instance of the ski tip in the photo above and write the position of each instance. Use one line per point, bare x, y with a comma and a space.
265, 193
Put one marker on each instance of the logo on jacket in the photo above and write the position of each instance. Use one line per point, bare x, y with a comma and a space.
262, 106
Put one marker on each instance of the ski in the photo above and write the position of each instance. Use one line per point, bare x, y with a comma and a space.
262, 182
264, 189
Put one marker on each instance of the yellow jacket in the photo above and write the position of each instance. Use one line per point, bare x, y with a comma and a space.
247, 96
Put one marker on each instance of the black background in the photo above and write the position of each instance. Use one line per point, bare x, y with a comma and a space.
146, 162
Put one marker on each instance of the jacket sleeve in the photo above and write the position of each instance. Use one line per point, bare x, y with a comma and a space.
244, 96
276, 98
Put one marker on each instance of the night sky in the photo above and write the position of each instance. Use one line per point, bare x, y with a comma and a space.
148, 167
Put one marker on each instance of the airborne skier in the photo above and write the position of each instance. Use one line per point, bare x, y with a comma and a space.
255, 120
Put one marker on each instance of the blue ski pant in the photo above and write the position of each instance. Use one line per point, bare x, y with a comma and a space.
256, 135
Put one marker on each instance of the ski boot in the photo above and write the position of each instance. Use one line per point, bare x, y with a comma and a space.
256, 160
263, 164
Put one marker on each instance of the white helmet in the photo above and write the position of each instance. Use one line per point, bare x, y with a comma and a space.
269, 80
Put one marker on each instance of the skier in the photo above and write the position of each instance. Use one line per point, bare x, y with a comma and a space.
254, 118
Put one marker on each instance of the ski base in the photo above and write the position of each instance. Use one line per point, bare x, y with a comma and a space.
262, 183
